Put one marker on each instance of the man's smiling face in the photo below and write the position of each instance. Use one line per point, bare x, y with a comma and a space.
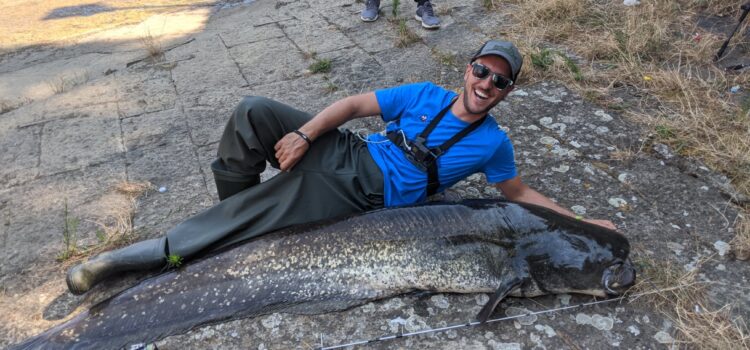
480, 95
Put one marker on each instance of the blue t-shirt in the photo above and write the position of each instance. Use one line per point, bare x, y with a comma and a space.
486, 149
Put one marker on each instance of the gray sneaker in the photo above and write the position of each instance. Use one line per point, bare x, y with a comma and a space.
426, 15
370, 13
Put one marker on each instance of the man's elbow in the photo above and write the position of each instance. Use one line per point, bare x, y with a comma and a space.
512, 189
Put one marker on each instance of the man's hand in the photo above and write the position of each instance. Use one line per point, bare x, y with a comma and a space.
604, 223
289, 150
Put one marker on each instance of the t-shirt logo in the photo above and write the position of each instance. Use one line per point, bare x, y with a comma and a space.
423, 118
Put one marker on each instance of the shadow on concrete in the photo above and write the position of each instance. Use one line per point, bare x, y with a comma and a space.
96, 8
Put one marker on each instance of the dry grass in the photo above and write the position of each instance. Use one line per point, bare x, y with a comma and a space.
652, 50
678, 295
115, 220
405, 36
152, 46
65, 82
741, 242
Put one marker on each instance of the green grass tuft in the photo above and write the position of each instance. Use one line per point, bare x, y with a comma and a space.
320, 66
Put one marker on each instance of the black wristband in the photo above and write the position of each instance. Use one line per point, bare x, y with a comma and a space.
303, 136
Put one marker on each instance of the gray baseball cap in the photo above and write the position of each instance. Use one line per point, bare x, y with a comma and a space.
504, 49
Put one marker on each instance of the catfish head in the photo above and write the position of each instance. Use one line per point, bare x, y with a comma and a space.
579, 258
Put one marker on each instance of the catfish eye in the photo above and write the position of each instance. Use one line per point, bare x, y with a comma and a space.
618, 277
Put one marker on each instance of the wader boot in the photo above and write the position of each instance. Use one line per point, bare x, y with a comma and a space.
229, 183
144, 255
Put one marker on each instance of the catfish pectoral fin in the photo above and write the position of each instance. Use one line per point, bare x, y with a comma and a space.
496, 298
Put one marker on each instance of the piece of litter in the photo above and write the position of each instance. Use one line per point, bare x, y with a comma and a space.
162, 189
697, 37
734, 89
721, 247
647, 78
631, 2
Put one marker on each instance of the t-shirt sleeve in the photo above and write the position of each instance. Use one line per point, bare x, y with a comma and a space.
502, 165
394, 101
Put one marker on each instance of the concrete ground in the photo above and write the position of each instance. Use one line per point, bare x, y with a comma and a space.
80, 117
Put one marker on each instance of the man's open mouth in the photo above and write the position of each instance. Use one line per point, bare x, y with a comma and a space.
480, 95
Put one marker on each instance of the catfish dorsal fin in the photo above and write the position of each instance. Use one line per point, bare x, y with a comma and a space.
500, 294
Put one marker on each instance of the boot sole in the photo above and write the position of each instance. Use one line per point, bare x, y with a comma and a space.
427, 26
369, 19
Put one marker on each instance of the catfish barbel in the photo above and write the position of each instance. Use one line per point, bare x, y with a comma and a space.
476, 246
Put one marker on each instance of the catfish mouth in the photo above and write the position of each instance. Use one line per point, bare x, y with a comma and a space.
617, 278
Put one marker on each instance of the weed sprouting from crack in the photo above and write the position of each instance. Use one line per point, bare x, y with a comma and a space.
174, 260
405, 36
70, 234
320, 66
152, 46
330, 86
63, 83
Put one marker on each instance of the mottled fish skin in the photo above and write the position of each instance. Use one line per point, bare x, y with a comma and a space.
467, 247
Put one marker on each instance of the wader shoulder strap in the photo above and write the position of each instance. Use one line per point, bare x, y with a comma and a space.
425, 158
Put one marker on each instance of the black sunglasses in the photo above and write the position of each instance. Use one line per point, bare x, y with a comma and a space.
481, 72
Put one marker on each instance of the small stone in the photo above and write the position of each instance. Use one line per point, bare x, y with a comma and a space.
601, 130
440, 301
704, 188
624, 178
721, 267
518, 92
575, 144
561, 169
617, 202
162, 189
272, 321
675, 247
506, 346
551, 99
603, 115
602, 323
545, 121
663, 150
634, 330
548, 331
524, 320
579, 210
721, 247
546, 140
663, 337
582, 318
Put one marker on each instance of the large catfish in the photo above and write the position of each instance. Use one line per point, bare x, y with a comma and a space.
478, 246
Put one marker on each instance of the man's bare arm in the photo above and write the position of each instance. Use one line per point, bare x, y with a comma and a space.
515, 190
291, 147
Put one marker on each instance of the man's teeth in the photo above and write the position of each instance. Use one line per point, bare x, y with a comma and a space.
480, 94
